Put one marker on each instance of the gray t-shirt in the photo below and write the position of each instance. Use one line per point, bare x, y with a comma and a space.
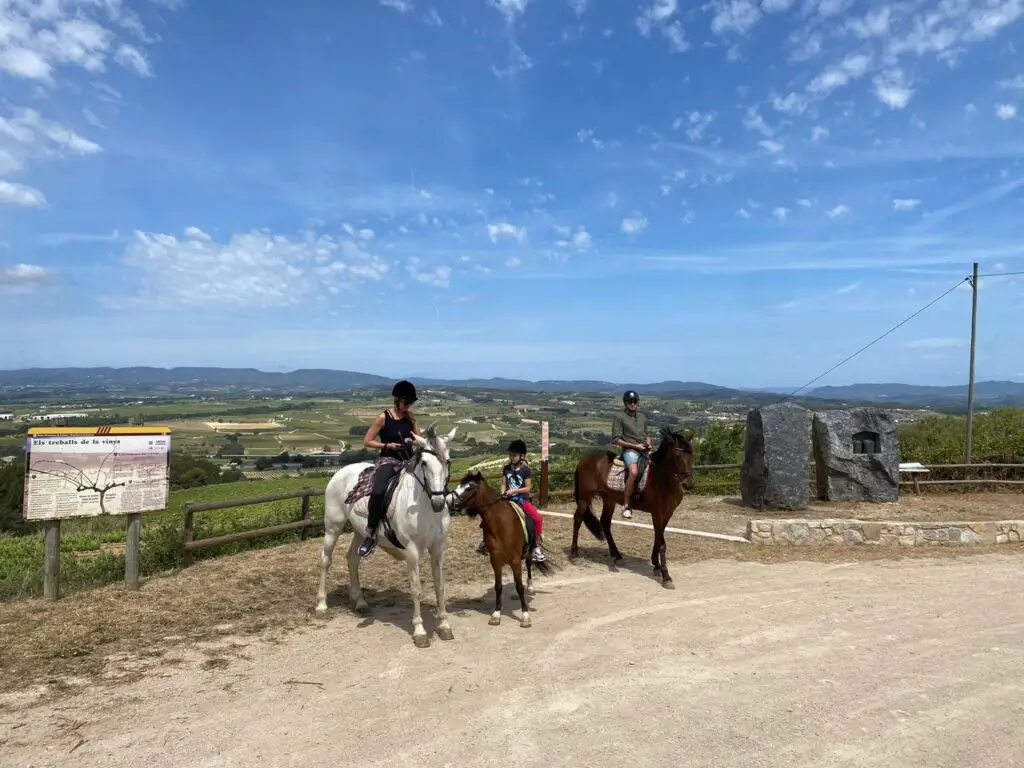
632, 429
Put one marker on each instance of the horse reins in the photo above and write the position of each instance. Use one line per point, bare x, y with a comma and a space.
431, 493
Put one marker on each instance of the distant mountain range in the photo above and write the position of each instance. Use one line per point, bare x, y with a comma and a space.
178, 380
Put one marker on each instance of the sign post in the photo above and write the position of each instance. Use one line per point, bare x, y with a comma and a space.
92, 471
543, 495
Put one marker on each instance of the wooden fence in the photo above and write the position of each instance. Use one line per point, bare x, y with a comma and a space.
545, 493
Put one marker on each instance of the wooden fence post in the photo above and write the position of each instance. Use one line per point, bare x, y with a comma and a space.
51, 560
132, 552
186, 556
305, 513
544, 443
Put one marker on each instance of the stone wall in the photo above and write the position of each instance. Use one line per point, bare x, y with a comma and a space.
802, 533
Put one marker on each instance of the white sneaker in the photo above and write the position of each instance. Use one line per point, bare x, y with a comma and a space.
627, 513
538, 555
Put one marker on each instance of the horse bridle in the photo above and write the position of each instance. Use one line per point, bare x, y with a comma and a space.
431, 493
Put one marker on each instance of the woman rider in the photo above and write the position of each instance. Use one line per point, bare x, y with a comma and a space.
391, 433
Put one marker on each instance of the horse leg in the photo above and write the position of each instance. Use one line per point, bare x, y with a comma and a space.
582, 505
330, 540
606, 525
659, 543
517, 574
496, 616
444, 629
529, 578
355, 589
419, 635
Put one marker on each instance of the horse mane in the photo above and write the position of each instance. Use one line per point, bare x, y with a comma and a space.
670, 436
475, 476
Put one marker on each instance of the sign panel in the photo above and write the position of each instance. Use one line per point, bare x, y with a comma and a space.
543, 441
90, 471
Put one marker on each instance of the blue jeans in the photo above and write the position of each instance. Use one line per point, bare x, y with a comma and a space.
629, 456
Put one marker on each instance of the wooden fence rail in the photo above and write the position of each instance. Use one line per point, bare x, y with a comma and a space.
305, 522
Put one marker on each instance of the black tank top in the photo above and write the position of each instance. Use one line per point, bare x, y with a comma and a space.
396, 431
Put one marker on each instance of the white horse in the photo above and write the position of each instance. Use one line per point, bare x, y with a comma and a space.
418, 515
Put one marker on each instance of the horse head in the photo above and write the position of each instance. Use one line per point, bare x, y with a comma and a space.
467, 492
430, 450
676, 453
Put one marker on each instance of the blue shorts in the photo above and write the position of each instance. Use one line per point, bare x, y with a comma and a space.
629, 456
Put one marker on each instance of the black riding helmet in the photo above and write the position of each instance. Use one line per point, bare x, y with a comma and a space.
517, 446
629, 395
404, 390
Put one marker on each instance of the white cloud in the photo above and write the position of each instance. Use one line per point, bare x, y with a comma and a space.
38, 38
771, 146
743, 213
1013, 82
439, 277
892, 90
850, 68
849, 288
776, 6
697, 124
819, 132
905, 203
195, 233
1006, 111
254, 269
839, 210
790, 104
780, 213
510, 9
659, 12
739, 16
611, 200
26, 136
402, 6
513, 262
504, 229
24, 277
579, 6
580, 240
690, 217
635, 224
21, 195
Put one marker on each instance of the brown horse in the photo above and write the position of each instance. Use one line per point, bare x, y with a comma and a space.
670, 471
505, 539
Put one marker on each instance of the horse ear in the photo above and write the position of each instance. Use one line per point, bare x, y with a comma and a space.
431, 431
450, 436
419, 441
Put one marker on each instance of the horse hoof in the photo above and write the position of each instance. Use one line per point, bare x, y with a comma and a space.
362, 609
526, 623
321, 609
495, 621
421, 641
445, 633
668, 584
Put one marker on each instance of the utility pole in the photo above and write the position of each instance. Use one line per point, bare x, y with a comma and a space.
970, 384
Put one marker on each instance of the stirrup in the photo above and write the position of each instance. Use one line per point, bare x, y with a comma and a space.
369, 544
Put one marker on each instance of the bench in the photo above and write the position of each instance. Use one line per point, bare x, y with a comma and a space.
914, 469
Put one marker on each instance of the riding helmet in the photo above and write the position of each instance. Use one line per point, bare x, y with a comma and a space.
517, 446
628, 395
404, 390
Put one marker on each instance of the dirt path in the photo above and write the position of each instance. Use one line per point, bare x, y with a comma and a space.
905, 663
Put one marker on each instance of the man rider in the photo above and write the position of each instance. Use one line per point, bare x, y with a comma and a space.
391, 433
629, 432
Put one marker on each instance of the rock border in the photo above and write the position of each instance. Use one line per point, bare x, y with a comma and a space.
803, 533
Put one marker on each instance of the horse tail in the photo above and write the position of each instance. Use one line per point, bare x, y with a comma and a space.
544, 566
576, 484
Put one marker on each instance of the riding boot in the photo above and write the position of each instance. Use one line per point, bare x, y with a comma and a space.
369, 544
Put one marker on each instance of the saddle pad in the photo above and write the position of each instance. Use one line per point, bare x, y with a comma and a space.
616, 478
528, 526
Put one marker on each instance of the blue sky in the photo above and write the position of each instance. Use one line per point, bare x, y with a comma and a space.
737, 192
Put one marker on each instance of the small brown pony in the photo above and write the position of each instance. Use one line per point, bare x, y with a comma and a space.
670, 471
504, 537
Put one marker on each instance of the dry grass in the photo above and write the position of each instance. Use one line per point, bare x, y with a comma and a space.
109, 635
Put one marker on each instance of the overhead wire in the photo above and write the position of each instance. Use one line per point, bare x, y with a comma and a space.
874, 341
